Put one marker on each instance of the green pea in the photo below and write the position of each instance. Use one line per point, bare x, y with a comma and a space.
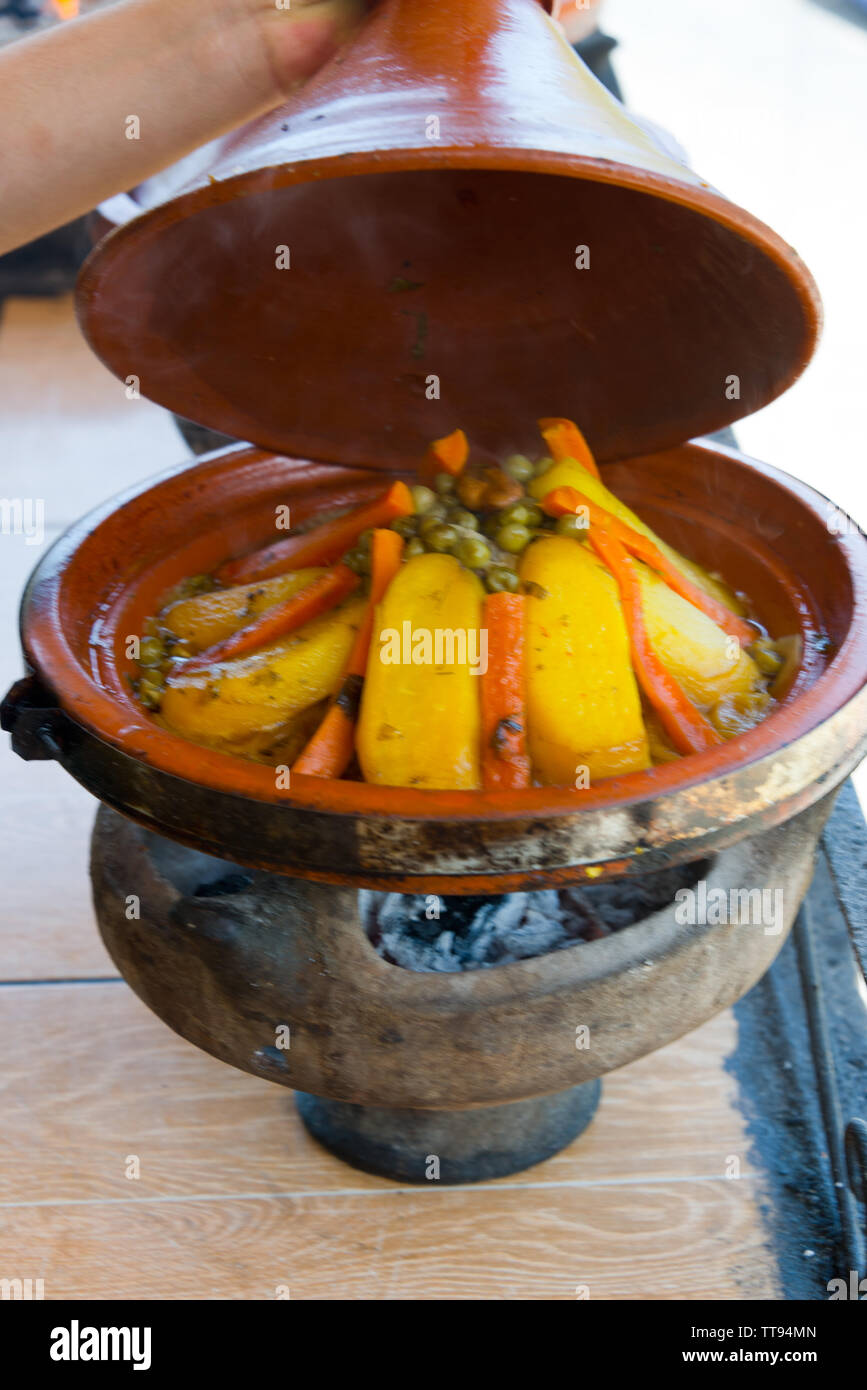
423, 498
358, 561
441, 537
438, 511
363, 542
515, 511
499, 579
404, 526
435, 517
459, 516
150, 693
542, 465
472, 552
414, 547
519, 467
513, 538
444, 484
524, 512
151, 651
571, 525
196, 584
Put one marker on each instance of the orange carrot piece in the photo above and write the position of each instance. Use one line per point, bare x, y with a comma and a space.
447, 455
505, 763
568, 500
320, 546
386, 553
329, 751
686, 726
319, 597
566, 441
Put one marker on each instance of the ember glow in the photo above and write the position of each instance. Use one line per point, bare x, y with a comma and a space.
65, 9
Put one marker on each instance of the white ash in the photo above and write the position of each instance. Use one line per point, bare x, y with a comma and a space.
432, 933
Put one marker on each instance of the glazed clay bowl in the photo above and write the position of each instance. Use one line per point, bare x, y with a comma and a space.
765, 532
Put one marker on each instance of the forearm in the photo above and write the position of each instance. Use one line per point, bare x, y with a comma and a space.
186, 71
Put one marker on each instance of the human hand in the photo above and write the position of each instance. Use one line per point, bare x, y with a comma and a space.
188, 70
299, 36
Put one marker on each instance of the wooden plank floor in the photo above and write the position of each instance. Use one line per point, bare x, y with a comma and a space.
234, 1200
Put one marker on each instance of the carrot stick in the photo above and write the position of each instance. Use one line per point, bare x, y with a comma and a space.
447, 455
568, 500
317, 598
566, 441
329, 751
688, 729
320, 546
505, 764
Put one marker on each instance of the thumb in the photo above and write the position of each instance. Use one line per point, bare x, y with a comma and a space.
302, 39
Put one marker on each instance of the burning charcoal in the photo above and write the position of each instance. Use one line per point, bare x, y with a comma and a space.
537, 935
475, 933
583, 922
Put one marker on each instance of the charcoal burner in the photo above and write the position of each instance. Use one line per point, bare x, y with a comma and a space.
484, 1071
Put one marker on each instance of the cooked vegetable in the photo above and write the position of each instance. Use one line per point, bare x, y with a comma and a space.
243, 705
420, 723
583, 707
448, 455
687, 728
519, 625
571, 474
700, 656
566, 441
329, 752
564, 500
319, 596
203, 621
488, 485
734, 714
519, 467
322, 544
505, 764
791, 650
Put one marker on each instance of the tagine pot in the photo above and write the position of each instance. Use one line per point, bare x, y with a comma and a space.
99, 583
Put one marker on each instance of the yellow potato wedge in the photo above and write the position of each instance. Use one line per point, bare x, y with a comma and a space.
420, 723
209, 618
569, 473
707, 663
233, 703
583, 705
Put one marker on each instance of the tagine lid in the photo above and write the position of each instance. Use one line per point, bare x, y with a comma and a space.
454, 224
